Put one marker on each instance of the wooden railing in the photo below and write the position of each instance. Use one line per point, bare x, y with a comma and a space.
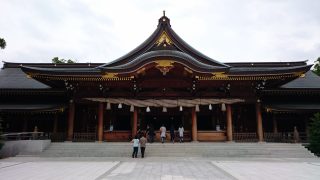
58, 137
24, 136
283, 137
286, 137
84, 137
245, 137
275, 137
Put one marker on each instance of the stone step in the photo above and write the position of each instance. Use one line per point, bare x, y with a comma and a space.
261, 150
182, 150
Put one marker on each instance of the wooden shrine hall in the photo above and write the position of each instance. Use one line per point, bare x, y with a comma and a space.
164, 81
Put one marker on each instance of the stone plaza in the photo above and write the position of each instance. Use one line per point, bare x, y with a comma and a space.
158, 168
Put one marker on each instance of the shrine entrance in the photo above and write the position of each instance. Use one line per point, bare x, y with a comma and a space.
157, 118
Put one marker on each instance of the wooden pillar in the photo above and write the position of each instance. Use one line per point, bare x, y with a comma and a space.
100, 122
135, 122
194, 124
229, 123
259, 122
55, 123
70, 120
275, 124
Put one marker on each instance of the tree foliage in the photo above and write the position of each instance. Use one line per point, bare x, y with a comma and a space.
3, 43
316, 67
315, 134
56, 60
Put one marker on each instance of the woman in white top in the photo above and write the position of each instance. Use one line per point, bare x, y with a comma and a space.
181, 133
163, 133
135, 146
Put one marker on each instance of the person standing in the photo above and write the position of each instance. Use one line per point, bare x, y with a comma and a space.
181, 129
135, 146
172, 136
163, 133
143, 142
147, 133
139, 132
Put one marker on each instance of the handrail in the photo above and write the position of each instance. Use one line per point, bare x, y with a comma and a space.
24, 136
284, 137
57, 136
84, 137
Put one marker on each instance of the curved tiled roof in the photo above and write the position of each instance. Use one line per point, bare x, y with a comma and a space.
60, 70
147, 44
179, 43
165, 44
178, 56
189, 49
251, 70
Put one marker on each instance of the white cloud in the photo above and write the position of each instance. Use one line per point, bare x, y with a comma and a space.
101, 31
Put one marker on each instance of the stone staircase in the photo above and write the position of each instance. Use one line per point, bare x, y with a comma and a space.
201, 149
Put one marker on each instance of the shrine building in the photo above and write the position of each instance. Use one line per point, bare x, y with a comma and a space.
164, 81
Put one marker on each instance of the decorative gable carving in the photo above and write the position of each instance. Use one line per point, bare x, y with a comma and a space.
164, 66
164, 40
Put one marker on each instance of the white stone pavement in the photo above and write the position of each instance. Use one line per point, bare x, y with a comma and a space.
271, 170
157, 168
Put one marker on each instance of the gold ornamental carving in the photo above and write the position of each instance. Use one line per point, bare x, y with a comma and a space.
299, 74
110, 75
31, 75
219, 75
164, 66
164, 38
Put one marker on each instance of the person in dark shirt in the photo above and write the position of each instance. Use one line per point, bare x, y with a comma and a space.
172, 136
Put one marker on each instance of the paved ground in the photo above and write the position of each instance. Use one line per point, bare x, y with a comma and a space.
158, 168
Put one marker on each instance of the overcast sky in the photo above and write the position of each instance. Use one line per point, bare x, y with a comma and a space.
101, 31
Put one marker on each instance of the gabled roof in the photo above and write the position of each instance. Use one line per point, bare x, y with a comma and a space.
163, 50
165, 42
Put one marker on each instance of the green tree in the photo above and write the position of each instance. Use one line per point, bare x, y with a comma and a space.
316, 67
315, 134
56, 60
3, 43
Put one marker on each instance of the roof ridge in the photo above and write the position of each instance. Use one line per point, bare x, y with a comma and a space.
163, 26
